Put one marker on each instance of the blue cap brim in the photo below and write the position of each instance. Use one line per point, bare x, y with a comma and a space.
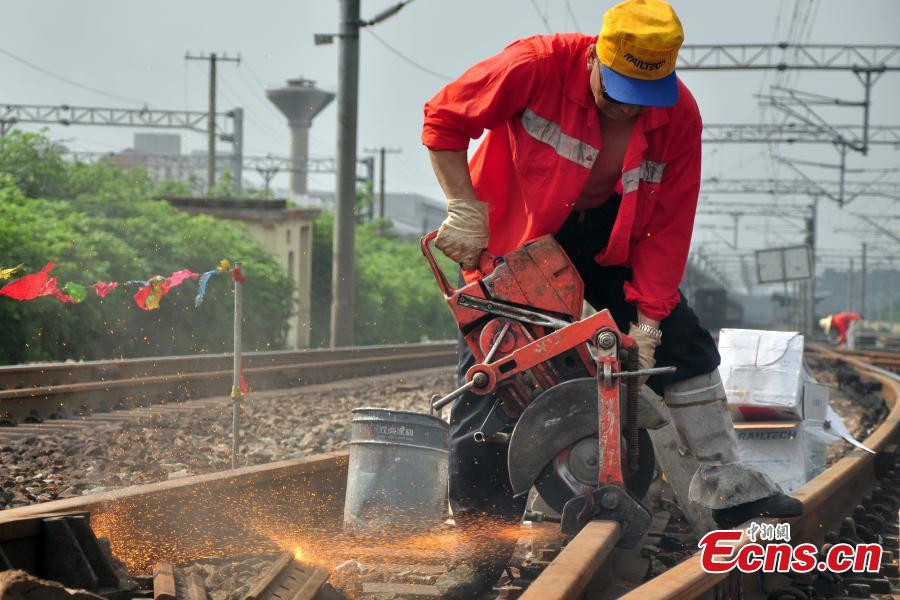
658, 92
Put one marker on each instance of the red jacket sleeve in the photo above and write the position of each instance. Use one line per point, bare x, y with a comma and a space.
658, 259
484, 97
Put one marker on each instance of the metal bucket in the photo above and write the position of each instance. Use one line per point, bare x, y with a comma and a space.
397, 478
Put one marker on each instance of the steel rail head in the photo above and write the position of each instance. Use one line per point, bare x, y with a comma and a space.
824, 498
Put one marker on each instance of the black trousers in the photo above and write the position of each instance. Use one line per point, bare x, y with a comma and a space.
479, 479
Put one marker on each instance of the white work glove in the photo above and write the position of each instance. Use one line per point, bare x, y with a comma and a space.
464, 234
647, 345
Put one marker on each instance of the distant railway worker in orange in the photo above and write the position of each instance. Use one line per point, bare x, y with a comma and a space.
846, 324
593, 139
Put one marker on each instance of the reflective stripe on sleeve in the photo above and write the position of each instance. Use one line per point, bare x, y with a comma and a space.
566, 146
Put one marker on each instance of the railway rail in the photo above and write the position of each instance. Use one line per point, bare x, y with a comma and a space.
294, 505
32, 393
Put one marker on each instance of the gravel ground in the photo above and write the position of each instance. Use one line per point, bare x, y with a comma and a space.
229, 579
275, 425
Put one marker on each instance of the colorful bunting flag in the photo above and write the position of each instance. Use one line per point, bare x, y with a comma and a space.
179, 277
76, 291
37, 285
103, 288
201, 292
149, 296
50, 289
27, 287
7, 273
222, 267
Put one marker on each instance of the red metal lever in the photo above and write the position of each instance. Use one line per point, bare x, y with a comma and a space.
485, 266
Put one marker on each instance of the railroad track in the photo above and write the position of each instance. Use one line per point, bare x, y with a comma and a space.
889, 361
296, 506
35, 393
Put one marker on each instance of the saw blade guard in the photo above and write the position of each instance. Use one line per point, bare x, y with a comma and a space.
551, 444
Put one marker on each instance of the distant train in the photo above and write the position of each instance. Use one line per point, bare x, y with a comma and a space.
716, 309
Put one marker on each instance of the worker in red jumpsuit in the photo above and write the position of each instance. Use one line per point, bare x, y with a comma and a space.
595, 140
845, 324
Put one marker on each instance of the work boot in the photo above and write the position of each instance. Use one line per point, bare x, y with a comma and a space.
779, 505
697, 408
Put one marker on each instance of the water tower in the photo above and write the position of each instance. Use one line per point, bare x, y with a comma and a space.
300, 101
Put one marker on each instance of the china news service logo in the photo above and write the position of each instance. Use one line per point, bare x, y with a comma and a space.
770, 551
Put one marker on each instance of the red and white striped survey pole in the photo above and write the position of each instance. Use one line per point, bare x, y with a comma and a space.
236, 381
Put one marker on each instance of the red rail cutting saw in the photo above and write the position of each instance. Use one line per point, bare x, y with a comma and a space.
554, 381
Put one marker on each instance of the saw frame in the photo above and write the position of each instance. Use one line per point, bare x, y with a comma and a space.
520, 316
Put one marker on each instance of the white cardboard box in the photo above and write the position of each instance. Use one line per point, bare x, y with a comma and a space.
815, 400
765, 378
790, 452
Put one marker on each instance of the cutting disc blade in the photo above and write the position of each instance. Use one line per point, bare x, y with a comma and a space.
554, 421
554, 444
574, 471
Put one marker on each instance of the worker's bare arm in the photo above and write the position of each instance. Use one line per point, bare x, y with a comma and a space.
452, 170
642, 318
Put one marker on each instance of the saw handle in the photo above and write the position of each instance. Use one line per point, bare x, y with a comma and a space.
439, 276
486, 265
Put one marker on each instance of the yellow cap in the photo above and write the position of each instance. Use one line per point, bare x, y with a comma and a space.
640, 40
825, 323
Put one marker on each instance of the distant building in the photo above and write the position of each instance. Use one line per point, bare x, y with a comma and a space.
413, 215
157, 166
284, 231
160, 155
167, 144
157, 153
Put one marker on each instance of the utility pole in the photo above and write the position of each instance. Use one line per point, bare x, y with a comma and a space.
213, 58
862, 282
237, 149
850, 286
345, 191
891, 314
382, 151
802, 305
344, 250
813, 229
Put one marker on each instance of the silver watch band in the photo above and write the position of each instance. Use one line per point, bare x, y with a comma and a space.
649, 330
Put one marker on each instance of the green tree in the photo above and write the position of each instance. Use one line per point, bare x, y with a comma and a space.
34, 163
396, 297
224, 186
121, 243
9, 191
105, 181
174, 187
106, 226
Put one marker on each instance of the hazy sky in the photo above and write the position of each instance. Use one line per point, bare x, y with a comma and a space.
136, 51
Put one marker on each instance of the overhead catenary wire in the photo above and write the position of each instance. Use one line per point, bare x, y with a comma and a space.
405, 58
68, 81
271, 115
542, 16
256, 77
229, 93
270, 122
571, 14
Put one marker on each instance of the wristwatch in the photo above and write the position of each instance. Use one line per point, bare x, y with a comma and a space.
649, 330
